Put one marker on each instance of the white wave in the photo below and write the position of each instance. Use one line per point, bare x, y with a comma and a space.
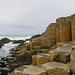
4, 51
15, 37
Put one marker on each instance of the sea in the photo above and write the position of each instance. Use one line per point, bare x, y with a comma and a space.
5, 50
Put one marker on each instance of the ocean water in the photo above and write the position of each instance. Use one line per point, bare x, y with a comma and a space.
4, 51
15, 37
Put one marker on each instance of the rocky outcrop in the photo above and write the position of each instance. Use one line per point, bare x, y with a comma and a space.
33, 37
1, 44
5, 40
53, 52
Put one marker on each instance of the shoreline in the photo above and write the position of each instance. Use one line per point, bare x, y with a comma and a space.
51, 53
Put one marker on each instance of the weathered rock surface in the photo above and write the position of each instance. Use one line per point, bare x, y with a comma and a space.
73, 62
34, 71
1, 44
40, 58
19, 71
5, 40
60, 56
55, 44
56, 68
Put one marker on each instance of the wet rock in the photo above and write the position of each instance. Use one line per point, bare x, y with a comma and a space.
3, 63
1, 44
5, 40
18, 41
20, 57
4, 59
14, 65
5, 70
73, 62
33, 37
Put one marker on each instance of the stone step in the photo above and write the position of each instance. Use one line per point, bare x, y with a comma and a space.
60, 56
45, 50
19, 71
34, 71
38, 47
56, 68
40, 58
67, 49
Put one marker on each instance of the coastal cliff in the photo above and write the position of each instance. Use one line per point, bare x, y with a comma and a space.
53, 53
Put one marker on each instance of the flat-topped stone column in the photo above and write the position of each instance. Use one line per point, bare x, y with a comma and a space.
19, 70
73, 28
34, 71
56, 68
65, 31
40, 58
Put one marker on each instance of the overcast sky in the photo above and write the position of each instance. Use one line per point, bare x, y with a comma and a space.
27, 17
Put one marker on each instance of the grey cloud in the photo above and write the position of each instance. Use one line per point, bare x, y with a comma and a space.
31, 16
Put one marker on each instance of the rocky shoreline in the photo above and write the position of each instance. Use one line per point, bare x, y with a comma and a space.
5, 62
52, 53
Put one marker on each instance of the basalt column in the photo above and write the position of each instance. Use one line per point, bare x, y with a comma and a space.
65, 31
57, 33
73, 28
58, 21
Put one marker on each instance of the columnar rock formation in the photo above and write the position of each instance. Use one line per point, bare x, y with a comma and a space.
61, 31
53, 52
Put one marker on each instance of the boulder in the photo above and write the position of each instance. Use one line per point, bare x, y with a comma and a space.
56, 68
33, 37
5, 40
18, 41
34, 71
1, 44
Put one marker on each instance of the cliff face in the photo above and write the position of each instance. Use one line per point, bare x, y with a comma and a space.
61, 31
55, 44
